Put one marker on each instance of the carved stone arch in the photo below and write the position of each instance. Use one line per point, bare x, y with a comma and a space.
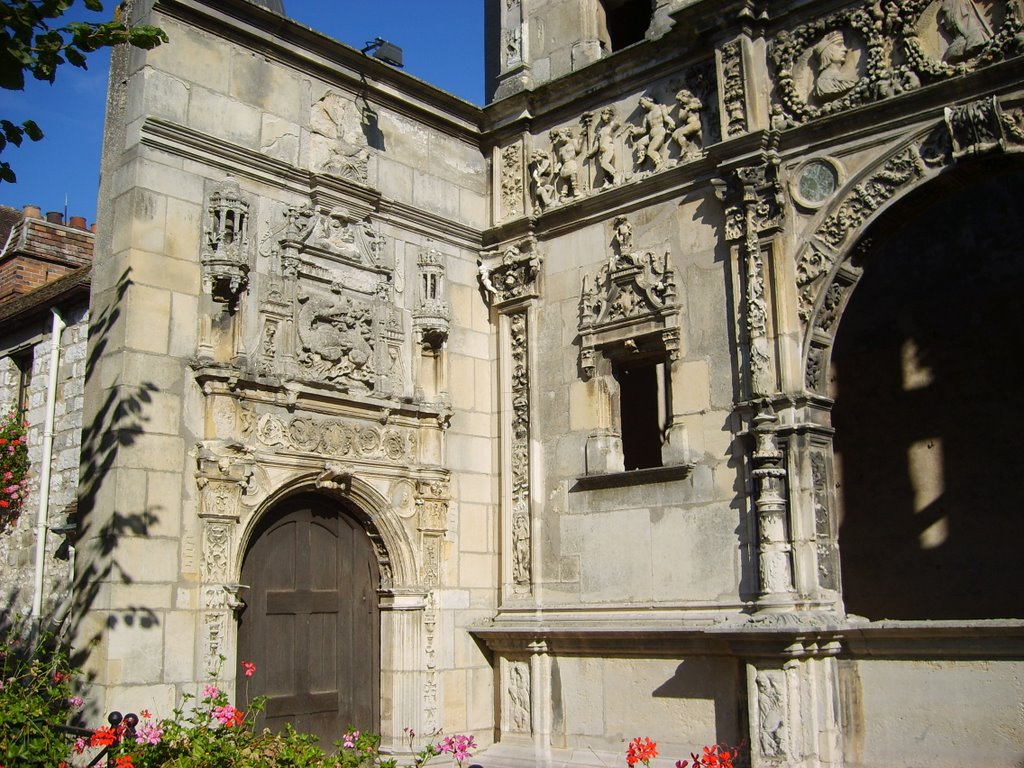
365, 504
826, 271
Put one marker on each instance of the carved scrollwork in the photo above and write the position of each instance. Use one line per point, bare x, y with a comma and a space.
512, 181
335, 438
520, 454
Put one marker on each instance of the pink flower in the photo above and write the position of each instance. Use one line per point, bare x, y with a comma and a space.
80, 744
248, 668
349, 739
76, 701
148, 733
459, 746
210, 692
228, 715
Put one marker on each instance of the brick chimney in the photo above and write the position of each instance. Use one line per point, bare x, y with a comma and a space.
36, 251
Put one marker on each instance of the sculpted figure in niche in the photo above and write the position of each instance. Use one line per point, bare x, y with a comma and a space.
832, 53
566, 149
650, 136
542, 178
689, 135
602, 147
967, 26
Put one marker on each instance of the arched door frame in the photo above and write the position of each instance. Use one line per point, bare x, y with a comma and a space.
403, 602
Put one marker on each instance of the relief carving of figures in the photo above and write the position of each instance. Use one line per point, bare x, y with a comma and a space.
336, 338
519, 696
602, 147
734, 96
565, 149
771, 713
649, 138
968, 28
341, 234
688, 136
339, 143
542, 179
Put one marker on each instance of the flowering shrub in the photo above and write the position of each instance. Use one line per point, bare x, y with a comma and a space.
13, 467
643, 750
35, 691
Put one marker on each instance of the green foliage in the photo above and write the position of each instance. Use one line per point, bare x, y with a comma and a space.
29, 43
35, 693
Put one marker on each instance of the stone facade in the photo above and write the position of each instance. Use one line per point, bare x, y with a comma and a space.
569, 361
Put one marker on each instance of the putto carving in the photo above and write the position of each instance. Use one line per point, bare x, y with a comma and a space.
565, 151
431, 317
633, 294
542, 179
602, 147
339, 140
224, 255
511, 272
650, 137
688, 135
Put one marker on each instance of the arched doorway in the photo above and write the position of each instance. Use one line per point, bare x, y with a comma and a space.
311, 622
924, 370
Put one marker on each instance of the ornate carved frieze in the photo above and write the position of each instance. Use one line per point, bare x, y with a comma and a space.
824, 535
512, 181
632, 295
733, 92
225, 252
521, 533
863, 54
775, 566
339, 144
510, 273
336, 438
754, 208
431, 317
432, 501
666, 127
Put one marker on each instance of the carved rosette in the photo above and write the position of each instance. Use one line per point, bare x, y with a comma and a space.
775, 566
754, 208
511, 273
336, 439
225, 252
633, 295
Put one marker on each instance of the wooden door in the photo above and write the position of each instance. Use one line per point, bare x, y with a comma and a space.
311, 623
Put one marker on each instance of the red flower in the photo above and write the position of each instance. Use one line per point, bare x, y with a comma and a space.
103, 737
641, 751
248, 668
124, 761
146, 713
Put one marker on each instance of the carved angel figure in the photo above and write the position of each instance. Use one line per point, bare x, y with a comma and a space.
968, 27
832, 53
650, 136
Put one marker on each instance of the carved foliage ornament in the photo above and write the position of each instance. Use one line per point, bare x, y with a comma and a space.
512, 181
520, 449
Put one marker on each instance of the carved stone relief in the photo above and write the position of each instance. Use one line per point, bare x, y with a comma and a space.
864, 54
825, 541
512, 181
339, 145
733, 92
225, 253
769, 473
510, 273
771, 713
633, 294
667, 127
517, 696
430, 714
520, 454
335, 438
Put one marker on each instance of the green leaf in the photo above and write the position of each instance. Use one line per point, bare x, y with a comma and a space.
32, 130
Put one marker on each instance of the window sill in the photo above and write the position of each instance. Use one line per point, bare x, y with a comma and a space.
632, 477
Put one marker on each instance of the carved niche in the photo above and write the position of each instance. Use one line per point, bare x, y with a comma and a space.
633, 295
328, 271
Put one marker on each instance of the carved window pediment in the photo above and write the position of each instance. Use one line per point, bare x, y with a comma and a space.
633, 296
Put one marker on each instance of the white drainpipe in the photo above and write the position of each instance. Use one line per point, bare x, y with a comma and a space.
44, 471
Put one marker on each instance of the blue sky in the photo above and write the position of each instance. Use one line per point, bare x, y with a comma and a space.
442, 42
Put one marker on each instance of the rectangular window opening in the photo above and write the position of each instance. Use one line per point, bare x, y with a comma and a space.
643, 411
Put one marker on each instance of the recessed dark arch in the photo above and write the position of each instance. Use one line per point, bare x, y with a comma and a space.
923, 369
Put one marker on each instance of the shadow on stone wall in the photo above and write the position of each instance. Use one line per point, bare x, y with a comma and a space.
924, 371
